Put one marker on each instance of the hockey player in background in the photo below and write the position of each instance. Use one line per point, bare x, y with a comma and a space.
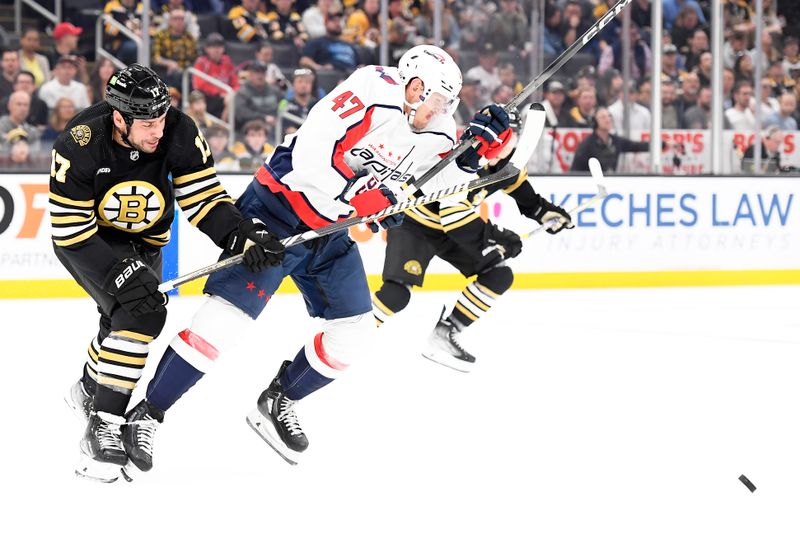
379, 128
458, 235
111, 208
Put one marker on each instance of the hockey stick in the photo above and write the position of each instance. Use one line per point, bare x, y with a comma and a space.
597, 177
529, 137
533, 85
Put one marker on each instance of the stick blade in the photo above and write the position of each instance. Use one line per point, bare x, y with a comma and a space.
529, 136
597, 175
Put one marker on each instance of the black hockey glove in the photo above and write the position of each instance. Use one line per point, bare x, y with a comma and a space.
135, 286
491, 126
261, 248
499, 244
552, 215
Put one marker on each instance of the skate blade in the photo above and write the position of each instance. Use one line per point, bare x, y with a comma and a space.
266, 431
449, 361
130, 472
93, 470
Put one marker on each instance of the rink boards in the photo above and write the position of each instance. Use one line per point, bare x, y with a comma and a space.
649, 232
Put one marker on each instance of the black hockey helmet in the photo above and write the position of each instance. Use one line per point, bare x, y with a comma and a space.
137, 93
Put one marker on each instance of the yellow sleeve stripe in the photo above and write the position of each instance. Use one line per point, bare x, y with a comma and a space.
425, 211
523, 175
68, 201
179, 181
195, 198
141, 337
127, 359
154, 242
111, 382
452, 210
466, 311
377, 303
424, 221
68, 219
474, 300
75, 240
195, 220
487, 292
463, 222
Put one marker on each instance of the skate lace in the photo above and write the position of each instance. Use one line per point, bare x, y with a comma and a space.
288, 417
453, 336
145, 433
108, 436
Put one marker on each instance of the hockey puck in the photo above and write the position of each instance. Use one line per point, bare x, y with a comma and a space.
747, 483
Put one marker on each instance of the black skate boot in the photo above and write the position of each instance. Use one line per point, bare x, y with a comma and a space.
138, 436
276, 422
444, 347
79, 401
102, 453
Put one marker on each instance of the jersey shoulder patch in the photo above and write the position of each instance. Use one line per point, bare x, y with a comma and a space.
81, 134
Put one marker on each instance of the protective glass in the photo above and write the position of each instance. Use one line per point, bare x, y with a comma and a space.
440, 104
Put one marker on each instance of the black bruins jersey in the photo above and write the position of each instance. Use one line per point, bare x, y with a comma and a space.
102, 190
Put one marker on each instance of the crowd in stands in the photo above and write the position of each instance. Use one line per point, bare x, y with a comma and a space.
280, 56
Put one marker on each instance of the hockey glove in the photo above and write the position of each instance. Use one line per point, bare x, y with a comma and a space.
260, 247
370, 202
554, 216
499, 244
491, 126
135, 286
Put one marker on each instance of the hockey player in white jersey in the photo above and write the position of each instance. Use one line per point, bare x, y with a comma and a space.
358, 146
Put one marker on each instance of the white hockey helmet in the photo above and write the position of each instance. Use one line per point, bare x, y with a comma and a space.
436, 69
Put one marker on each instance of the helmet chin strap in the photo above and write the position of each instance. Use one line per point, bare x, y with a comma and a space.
412, 110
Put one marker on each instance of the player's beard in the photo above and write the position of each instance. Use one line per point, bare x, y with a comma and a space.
142, 147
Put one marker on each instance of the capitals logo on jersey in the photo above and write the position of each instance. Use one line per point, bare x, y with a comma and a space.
132, 206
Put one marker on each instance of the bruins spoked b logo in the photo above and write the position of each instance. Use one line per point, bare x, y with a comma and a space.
132, 206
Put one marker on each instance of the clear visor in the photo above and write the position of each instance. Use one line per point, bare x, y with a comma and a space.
440, 104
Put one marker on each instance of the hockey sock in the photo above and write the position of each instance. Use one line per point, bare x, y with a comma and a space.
300, 379
478, 297
120, 363
187, 359
391, 298
90, 368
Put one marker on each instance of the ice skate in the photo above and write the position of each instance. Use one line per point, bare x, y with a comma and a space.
444, 347
138, 436
102, 453
275, 420
79, 401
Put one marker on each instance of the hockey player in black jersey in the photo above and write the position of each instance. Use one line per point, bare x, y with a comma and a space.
112, 206
476, 248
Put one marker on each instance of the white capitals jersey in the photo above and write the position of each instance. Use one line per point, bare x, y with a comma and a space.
359, 125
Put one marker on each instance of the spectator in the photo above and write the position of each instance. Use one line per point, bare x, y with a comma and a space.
363, 26
695, 48
553, 41
581, 114
468, 103
249, 22
779, 81
255, 149
690, 90
103, 70
728, 81
685, 26
486, 72
771, 140
641, 57
743, 68
669, 65
740, 115
174, 48
502, 95
646, 93
575, 24
671, 109
129, 13
285, 25
451, 32
39, 113
556, 112
604, 145
609, 87
641, 15
301, 101
30, 59
65, 41
190, 19
703, 69
264, 54
330, 52
791, 57
196, 108
314, 18
698, 117
65, 84
62, 114
175, 97
784, 119
19, 107
673, 7
401, 29
508, 28
766, 53
473, 19
638, 115
19, 152
255, 99
224, 159
508, 76
10, 67
217, 64
769, 104
733, 48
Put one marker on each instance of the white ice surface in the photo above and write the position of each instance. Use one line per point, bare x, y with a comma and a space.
602, 410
